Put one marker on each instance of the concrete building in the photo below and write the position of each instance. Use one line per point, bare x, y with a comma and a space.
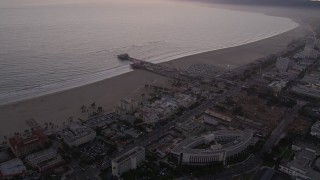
185, 100
308, 90
76, 134
44, 160
127, 161
23, 145
315, 129
126, 106
310, 53
190, 127
158, 110
277, 86
215, 147
282, 64
101, 121
301, 167
218, 116
12, 168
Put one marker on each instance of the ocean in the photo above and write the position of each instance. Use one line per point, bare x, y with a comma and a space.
53, 45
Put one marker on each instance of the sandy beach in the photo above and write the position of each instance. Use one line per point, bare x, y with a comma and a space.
58, 107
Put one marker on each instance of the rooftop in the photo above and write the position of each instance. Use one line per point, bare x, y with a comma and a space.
12, 167
188, 144
18, 141
75, 131
128, 154
41, 156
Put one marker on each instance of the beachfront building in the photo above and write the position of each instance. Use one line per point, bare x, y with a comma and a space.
215, 147
22, 145
76, 134
308, 53
315, 129
126, 106
127, 161
12, 168
282, 64
44, 160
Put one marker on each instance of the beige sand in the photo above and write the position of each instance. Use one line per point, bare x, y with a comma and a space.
56, 108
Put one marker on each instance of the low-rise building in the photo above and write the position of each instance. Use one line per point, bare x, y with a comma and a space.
190, 127
44, 160
132, 132
126, 106
12, 168
76, 134
218, 116
185, 100
215, 147
158, 110
306, 90
277, 86
127, 161
301, 167
22, 145
315, 129
101, 121
282, 64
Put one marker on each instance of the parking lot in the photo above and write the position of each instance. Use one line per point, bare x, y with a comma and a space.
92, 151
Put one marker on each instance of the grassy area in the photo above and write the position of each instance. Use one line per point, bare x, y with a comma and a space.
287, 154
245, 176
270, 163
238, 159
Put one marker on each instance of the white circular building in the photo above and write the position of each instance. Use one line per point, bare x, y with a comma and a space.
210, 148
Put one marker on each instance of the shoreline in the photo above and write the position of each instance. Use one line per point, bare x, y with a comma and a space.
59, 106
59, 88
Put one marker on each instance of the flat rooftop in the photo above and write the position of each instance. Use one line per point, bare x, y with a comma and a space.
240, 137
128, 154
12, 167
75, 131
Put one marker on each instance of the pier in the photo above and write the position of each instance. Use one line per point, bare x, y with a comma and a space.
156, 68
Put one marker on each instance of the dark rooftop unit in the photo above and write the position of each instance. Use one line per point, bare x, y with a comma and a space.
123, 56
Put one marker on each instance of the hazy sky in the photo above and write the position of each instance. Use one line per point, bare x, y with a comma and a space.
15, 3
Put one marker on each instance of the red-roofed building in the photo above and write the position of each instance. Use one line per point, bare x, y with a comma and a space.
23, 145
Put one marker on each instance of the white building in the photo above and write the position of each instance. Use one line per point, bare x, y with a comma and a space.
11, 168
315, 129
76, 134
282, 64
127, 161
221, 145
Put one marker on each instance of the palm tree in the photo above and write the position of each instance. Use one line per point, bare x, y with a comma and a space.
93, 105
100, 109
70, 119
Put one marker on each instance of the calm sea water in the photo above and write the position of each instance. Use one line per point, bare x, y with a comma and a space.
46, 46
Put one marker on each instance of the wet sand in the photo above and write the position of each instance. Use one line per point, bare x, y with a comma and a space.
58, 107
